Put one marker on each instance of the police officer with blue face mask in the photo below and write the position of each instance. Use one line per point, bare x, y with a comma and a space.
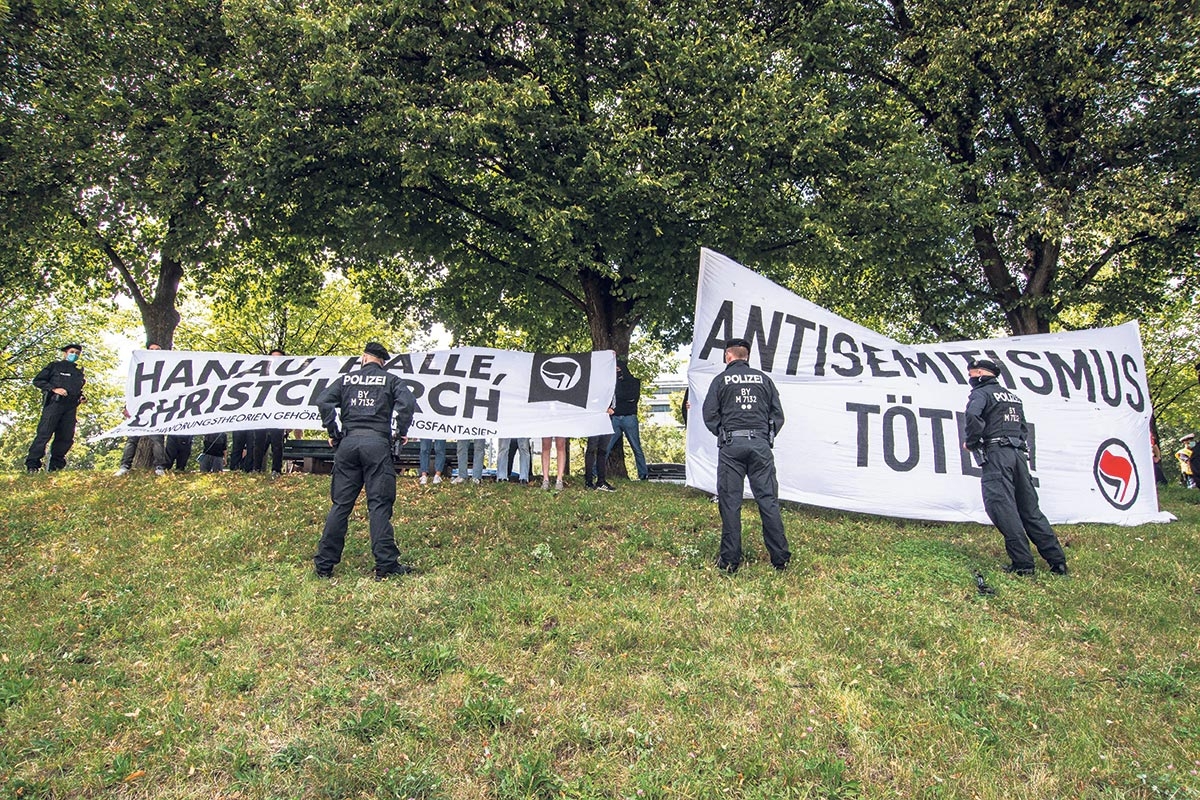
361, 411
61, 383
996, 434
742, 409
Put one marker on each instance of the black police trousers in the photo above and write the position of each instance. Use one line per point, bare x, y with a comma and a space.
1012, 505
363, 458
271, 440
57, 422
738, 459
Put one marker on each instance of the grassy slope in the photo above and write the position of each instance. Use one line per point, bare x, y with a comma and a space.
165, 639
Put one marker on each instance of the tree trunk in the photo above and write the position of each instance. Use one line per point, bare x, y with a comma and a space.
159, 315
611, 322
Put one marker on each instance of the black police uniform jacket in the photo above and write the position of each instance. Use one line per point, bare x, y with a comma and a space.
60, 375
994, 416
367, 399
742, 399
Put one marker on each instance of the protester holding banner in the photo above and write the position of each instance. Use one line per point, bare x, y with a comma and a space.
61, 383
212, 454
742, 409
466, 448
438, 448
624, 417
996, 433
504, 459
362, 411
560, 444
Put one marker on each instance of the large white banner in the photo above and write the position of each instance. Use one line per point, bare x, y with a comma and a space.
875, 426
467, 392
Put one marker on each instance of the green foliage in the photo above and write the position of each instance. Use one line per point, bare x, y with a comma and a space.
267, 315
31, 332
1062, 137
870, 669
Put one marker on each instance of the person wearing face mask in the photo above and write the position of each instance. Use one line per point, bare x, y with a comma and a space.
996, 434
361, 412
61, 383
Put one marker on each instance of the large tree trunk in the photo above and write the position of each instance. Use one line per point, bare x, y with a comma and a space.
611, 322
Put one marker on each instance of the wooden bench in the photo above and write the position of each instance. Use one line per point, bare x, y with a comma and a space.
316, 456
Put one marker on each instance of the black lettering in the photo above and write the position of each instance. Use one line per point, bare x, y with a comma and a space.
923, 363
191, 406
292, 366
435, 398
181, 375
284, 397
1018, 358
876, 365
481, 367
264, 390
1115, 400
841, 340
426, 367
767, 345
403, 362
141, 376
491, 403
720, 332
450, 369
822, 341
217, 394
936, 417
214, 371
1079, 376
889, 438
1130, 368
960, 377
800, 325
260, 368
864, 413
237, 396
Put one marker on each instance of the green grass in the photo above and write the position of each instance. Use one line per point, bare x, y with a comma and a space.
165, 639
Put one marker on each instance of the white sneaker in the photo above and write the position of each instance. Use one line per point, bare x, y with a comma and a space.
558, 486
476, 481
437, 478
122, 471
457, 481
159, 471
546, 485
424, 479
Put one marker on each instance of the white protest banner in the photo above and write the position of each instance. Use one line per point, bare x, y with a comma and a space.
875, 426
467, 392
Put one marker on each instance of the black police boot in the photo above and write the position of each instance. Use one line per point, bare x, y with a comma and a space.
1060, 569
1013, 569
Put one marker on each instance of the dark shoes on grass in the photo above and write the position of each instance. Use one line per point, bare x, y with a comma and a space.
1027, 572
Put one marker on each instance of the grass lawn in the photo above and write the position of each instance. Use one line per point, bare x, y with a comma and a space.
165, 638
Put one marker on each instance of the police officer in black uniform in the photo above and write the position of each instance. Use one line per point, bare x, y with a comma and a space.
366, 402
61, 383
996, 433
742, 409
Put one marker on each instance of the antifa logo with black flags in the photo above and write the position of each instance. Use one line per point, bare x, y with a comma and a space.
565, 377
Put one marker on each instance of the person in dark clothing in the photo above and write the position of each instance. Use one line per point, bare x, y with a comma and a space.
361, 411
241, 451
61, 383
267, 440
212, 452
742, 409
996, 434
179, 452
624, 417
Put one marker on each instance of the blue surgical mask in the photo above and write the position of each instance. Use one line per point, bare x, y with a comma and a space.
72, 357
